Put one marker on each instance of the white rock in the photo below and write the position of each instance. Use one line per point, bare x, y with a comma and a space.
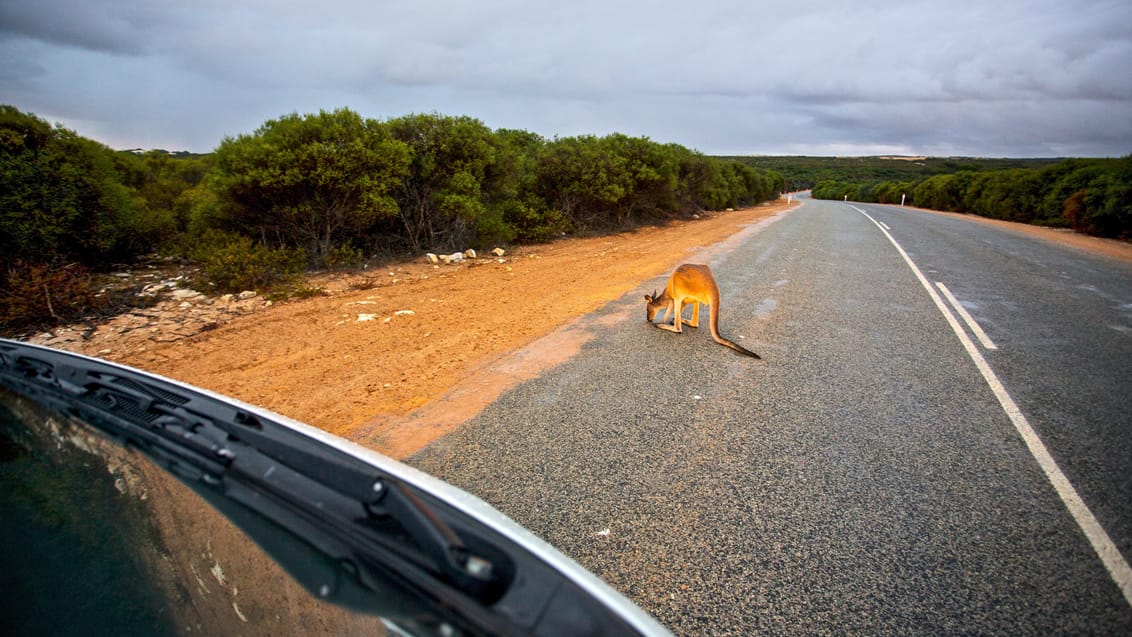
432, 258
499, 252
471, 254
182, 294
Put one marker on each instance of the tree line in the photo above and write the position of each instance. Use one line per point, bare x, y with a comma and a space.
803, 173
330, 189
1093, 196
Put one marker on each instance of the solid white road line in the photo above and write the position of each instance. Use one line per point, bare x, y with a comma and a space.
967, 318
1105, 548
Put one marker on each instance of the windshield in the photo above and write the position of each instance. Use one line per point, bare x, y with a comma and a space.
98, 540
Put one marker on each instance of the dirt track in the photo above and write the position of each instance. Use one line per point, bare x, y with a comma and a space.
366, 359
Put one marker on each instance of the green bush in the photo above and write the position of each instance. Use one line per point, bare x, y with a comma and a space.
492, 228
233, 263
532, 221
343, 256
65, 198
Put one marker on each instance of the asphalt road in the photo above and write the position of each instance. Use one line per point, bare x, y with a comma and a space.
862, 478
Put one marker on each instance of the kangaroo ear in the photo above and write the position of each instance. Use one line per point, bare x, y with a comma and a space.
648, 299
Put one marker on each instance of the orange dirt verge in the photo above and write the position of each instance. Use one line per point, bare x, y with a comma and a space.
369, 360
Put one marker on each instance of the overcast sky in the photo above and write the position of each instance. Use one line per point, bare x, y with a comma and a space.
998, 78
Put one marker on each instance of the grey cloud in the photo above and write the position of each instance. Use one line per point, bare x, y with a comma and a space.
1009, 77
110, 28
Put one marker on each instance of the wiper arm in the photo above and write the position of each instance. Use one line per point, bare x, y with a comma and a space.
344, 508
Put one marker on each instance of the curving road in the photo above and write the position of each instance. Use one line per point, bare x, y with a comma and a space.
868, 476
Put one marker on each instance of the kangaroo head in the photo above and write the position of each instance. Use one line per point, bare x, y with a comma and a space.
651, 306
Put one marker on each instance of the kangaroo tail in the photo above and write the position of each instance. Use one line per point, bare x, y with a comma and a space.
737, 347
714, 324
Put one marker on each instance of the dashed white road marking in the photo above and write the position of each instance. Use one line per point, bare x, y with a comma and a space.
1105, 548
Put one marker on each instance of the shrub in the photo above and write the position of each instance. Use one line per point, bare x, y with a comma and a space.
533, 221
493, 229
343, 256
233, 263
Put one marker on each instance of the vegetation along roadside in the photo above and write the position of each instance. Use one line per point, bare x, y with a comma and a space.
318, 191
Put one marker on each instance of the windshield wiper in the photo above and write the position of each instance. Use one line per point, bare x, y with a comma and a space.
350, 532
341, 507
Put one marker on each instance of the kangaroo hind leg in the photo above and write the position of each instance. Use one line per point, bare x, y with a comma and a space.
695, 320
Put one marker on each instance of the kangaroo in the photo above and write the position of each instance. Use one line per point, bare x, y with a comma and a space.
692, 284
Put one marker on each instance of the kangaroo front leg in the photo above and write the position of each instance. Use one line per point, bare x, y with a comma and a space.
677, 306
